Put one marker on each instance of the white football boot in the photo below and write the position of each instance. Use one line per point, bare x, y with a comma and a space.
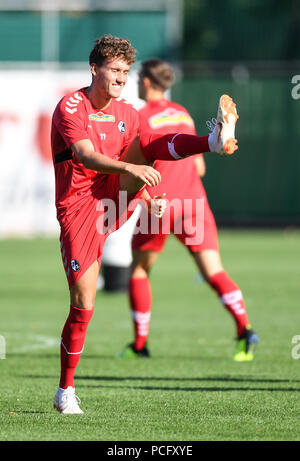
66, 402
222, 139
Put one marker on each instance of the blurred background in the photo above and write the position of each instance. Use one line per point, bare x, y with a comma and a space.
247, 48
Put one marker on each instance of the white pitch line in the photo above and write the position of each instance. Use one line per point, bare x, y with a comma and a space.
44, 342
32, 342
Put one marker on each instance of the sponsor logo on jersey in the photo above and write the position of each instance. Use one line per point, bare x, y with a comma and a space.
122, 126
72, 102
101, 117
75, 265
170, 116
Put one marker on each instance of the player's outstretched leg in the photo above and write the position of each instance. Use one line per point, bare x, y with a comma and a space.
177, 146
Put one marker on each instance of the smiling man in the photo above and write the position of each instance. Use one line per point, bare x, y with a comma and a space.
92, 130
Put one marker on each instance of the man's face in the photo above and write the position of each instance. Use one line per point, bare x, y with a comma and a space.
111, 77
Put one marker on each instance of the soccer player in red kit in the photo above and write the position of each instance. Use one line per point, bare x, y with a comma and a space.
92, 136
180, 180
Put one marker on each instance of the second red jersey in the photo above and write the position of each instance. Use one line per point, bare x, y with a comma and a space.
179, 178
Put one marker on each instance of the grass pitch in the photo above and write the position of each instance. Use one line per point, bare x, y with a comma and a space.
190, 390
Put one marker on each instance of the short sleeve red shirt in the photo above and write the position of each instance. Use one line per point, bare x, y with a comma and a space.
179, 178
110, 131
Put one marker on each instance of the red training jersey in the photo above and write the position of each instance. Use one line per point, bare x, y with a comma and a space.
179, 178
111, 131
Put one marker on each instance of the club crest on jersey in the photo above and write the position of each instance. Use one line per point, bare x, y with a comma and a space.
122, 127
101, 117
75, 265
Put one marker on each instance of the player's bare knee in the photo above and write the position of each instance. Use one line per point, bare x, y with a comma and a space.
140, 271
82, 300
142, 263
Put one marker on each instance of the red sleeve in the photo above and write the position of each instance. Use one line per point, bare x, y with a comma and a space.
70, 124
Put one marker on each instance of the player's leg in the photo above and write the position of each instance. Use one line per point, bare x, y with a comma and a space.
133, 155
211, 268
82, 297
146, 244
83, 292
230, 294
177, 146
81, 245
151, 147
140, 299
207, 257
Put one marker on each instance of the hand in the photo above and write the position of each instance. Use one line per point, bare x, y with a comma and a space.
158, 205
145, 173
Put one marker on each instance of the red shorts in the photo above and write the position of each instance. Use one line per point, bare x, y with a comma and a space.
84, 231
195, 227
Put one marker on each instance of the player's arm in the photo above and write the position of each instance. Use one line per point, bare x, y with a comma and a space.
85, 153
200, 166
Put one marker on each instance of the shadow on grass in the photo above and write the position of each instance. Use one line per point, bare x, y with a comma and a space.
54, 355
197, 389
200, 379
220, 379
48, 355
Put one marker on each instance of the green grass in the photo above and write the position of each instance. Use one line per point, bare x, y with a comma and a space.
190, 390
